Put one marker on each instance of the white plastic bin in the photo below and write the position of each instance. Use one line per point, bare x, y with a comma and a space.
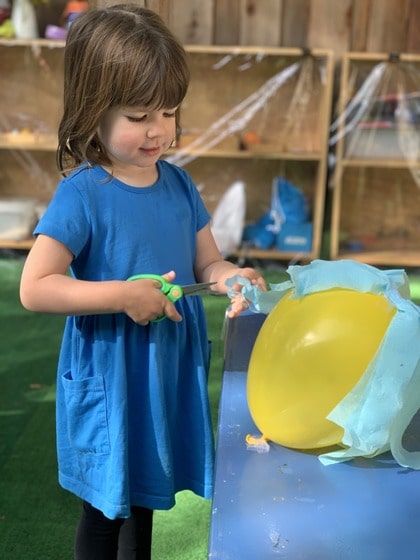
17, 218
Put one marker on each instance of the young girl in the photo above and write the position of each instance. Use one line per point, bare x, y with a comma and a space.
133, 419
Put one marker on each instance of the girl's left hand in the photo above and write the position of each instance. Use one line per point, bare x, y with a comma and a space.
238, 302
253, 276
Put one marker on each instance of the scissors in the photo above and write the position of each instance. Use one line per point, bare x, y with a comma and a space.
174, 291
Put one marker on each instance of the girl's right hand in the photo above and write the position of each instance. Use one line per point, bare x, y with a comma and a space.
144, 301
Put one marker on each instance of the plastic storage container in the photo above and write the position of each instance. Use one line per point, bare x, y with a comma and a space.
17, 218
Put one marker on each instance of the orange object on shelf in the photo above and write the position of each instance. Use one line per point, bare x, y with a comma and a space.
72, 10
251, 138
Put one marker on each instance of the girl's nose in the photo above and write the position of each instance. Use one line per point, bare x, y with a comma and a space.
155, 128
152, 132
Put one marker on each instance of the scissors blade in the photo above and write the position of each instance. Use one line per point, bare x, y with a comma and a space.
196, 289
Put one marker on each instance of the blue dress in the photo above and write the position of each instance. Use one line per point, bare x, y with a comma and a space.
133, 417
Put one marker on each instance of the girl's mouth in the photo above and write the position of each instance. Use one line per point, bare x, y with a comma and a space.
151, 151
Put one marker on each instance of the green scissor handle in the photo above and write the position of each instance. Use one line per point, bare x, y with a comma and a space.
171, 291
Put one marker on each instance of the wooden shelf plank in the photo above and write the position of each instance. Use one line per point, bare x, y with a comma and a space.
249, 154
32, 43
390, 163
21, 141
383, 258
273, 254
24, 244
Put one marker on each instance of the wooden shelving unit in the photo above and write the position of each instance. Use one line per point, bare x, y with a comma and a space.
30, 107
376, 197
281, 96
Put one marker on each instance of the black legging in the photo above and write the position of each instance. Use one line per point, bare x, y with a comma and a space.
100, 538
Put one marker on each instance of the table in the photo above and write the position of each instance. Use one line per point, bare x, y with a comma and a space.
286, 505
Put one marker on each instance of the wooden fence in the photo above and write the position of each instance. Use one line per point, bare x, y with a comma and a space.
340, 25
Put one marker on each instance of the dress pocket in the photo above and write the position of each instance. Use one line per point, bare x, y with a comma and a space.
87, 423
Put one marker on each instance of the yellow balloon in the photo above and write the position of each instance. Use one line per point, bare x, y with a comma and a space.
308, 355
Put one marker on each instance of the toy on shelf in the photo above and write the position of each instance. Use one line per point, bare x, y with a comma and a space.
72, 9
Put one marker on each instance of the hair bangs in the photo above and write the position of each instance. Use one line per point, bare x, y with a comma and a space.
154, 96
156, 82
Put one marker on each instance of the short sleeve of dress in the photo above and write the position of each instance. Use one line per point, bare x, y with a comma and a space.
66, 218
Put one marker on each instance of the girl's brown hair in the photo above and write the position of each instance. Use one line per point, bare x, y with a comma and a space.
119, 56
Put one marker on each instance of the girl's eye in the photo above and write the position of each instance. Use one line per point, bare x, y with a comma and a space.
142, 118
136, 119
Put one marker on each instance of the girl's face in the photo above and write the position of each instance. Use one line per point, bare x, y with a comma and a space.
135, 136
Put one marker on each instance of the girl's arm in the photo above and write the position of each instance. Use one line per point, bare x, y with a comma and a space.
46, 287
210, 266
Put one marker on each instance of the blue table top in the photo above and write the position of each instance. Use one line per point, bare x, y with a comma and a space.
286, 504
